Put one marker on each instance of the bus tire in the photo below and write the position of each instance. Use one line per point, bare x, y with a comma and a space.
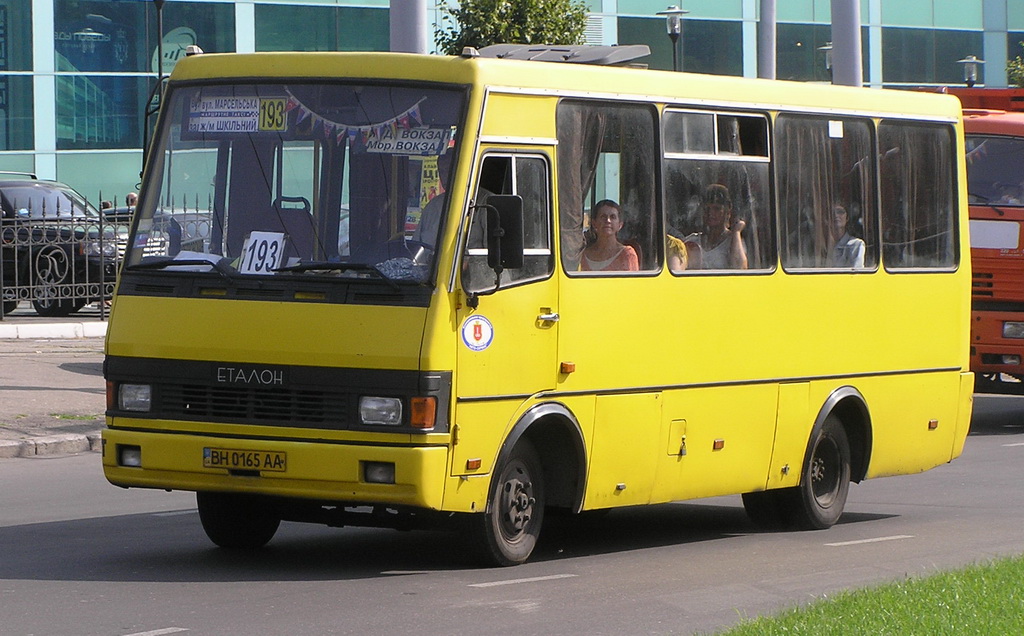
818, 501
237, 522
508, 531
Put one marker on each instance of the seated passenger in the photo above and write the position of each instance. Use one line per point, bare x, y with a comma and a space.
721, 242
848, 251
606, 253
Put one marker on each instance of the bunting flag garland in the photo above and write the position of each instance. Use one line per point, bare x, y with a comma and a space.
339, 131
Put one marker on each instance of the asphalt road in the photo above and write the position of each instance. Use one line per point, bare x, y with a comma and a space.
82, 557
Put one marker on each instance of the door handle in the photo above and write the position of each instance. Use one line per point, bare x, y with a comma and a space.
553, 317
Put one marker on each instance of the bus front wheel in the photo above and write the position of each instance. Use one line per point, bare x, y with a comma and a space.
238, 522
818, 501
508, 531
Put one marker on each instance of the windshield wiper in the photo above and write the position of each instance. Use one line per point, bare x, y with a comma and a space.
217, 266
332, 266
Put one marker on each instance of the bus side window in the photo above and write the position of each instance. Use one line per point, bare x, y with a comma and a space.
608, 152
918, 200
826, 173
717, 186
527, 177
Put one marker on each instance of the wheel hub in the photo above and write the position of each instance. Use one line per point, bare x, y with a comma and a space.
518, 504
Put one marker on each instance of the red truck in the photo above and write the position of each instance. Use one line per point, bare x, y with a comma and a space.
994, 127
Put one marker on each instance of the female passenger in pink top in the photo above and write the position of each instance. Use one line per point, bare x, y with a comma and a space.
606, 253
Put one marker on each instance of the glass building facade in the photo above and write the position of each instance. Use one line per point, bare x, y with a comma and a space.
77, 76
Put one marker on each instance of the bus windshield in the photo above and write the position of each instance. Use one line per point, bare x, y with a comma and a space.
299, 179
995, 171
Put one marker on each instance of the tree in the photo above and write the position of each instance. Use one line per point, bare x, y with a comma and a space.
480, 23
1015, 71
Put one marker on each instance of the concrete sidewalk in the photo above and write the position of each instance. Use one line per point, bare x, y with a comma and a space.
52, 392
24, 323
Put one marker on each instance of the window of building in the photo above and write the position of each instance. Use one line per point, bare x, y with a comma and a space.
108, 36
321, 28
707, 46
100, 111
918, 202
608, 153
926, 56
826, 179
16, 118
15, 29
96, 40
800, 56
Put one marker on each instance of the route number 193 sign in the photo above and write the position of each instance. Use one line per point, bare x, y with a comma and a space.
262, 253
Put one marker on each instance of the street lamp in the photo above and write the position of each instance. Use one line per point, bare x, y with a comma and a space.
674, 27
827, 48
970, 69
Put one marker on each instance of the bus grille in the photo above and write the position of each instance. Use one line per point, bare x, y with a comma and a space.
317, 409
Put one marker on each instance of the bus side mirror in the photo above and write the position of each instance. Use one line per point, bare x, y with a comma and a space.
504, 231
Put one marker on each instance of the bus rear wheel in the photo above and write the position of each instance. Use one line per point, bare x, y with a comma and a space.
239, 522
507, 533
817, 503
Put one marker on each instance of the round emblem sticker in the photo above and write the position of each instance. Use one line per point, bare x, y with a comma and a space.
477, 333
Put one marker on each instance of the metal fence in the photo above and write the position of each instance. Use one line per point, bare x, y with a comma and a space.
59, 263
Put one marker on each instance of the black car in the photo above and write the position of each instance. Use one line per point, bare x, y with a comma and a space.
57, 251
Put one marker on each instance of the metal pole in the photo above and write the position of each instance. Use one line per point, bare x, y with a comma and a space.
159, 40
408, 22
847, 67
766, 41
675, 51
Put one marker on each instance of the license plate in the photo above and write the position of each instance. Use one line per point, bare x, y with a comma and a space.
236, 459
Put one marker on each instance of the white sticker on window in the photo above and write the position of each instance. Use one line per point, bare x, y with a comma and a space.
835, 129
262, 253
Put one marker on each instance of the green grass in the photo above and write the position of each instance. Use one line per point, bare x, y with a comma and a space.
72, 416
984, 599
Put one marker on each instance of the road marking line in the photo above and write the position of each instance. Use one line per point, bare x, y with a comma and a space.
160, 632
176, 513
529, 580
1017, 444
875, 540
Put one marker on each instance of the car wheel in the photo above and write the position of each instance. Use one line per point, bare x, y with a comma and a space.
239, 522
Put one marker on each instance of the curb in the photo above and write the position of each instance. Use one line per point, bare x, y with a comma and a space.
54, 330
50, 445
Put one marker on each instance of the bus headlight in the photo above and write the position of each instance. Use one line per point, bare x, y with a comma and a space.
135, 397
380, 411
1013, 329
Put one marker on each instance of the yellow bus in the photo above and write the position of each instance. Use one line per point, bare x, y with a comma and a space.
393, 290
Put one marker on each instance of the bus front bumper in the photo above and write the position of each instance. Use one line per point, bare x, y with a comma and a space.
293, 469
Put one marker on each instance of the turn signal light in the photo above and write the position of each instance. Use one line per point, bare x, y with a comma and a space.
423, 412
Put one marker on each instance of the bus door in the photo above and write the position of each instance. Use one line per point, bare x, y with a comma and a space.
508, 324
